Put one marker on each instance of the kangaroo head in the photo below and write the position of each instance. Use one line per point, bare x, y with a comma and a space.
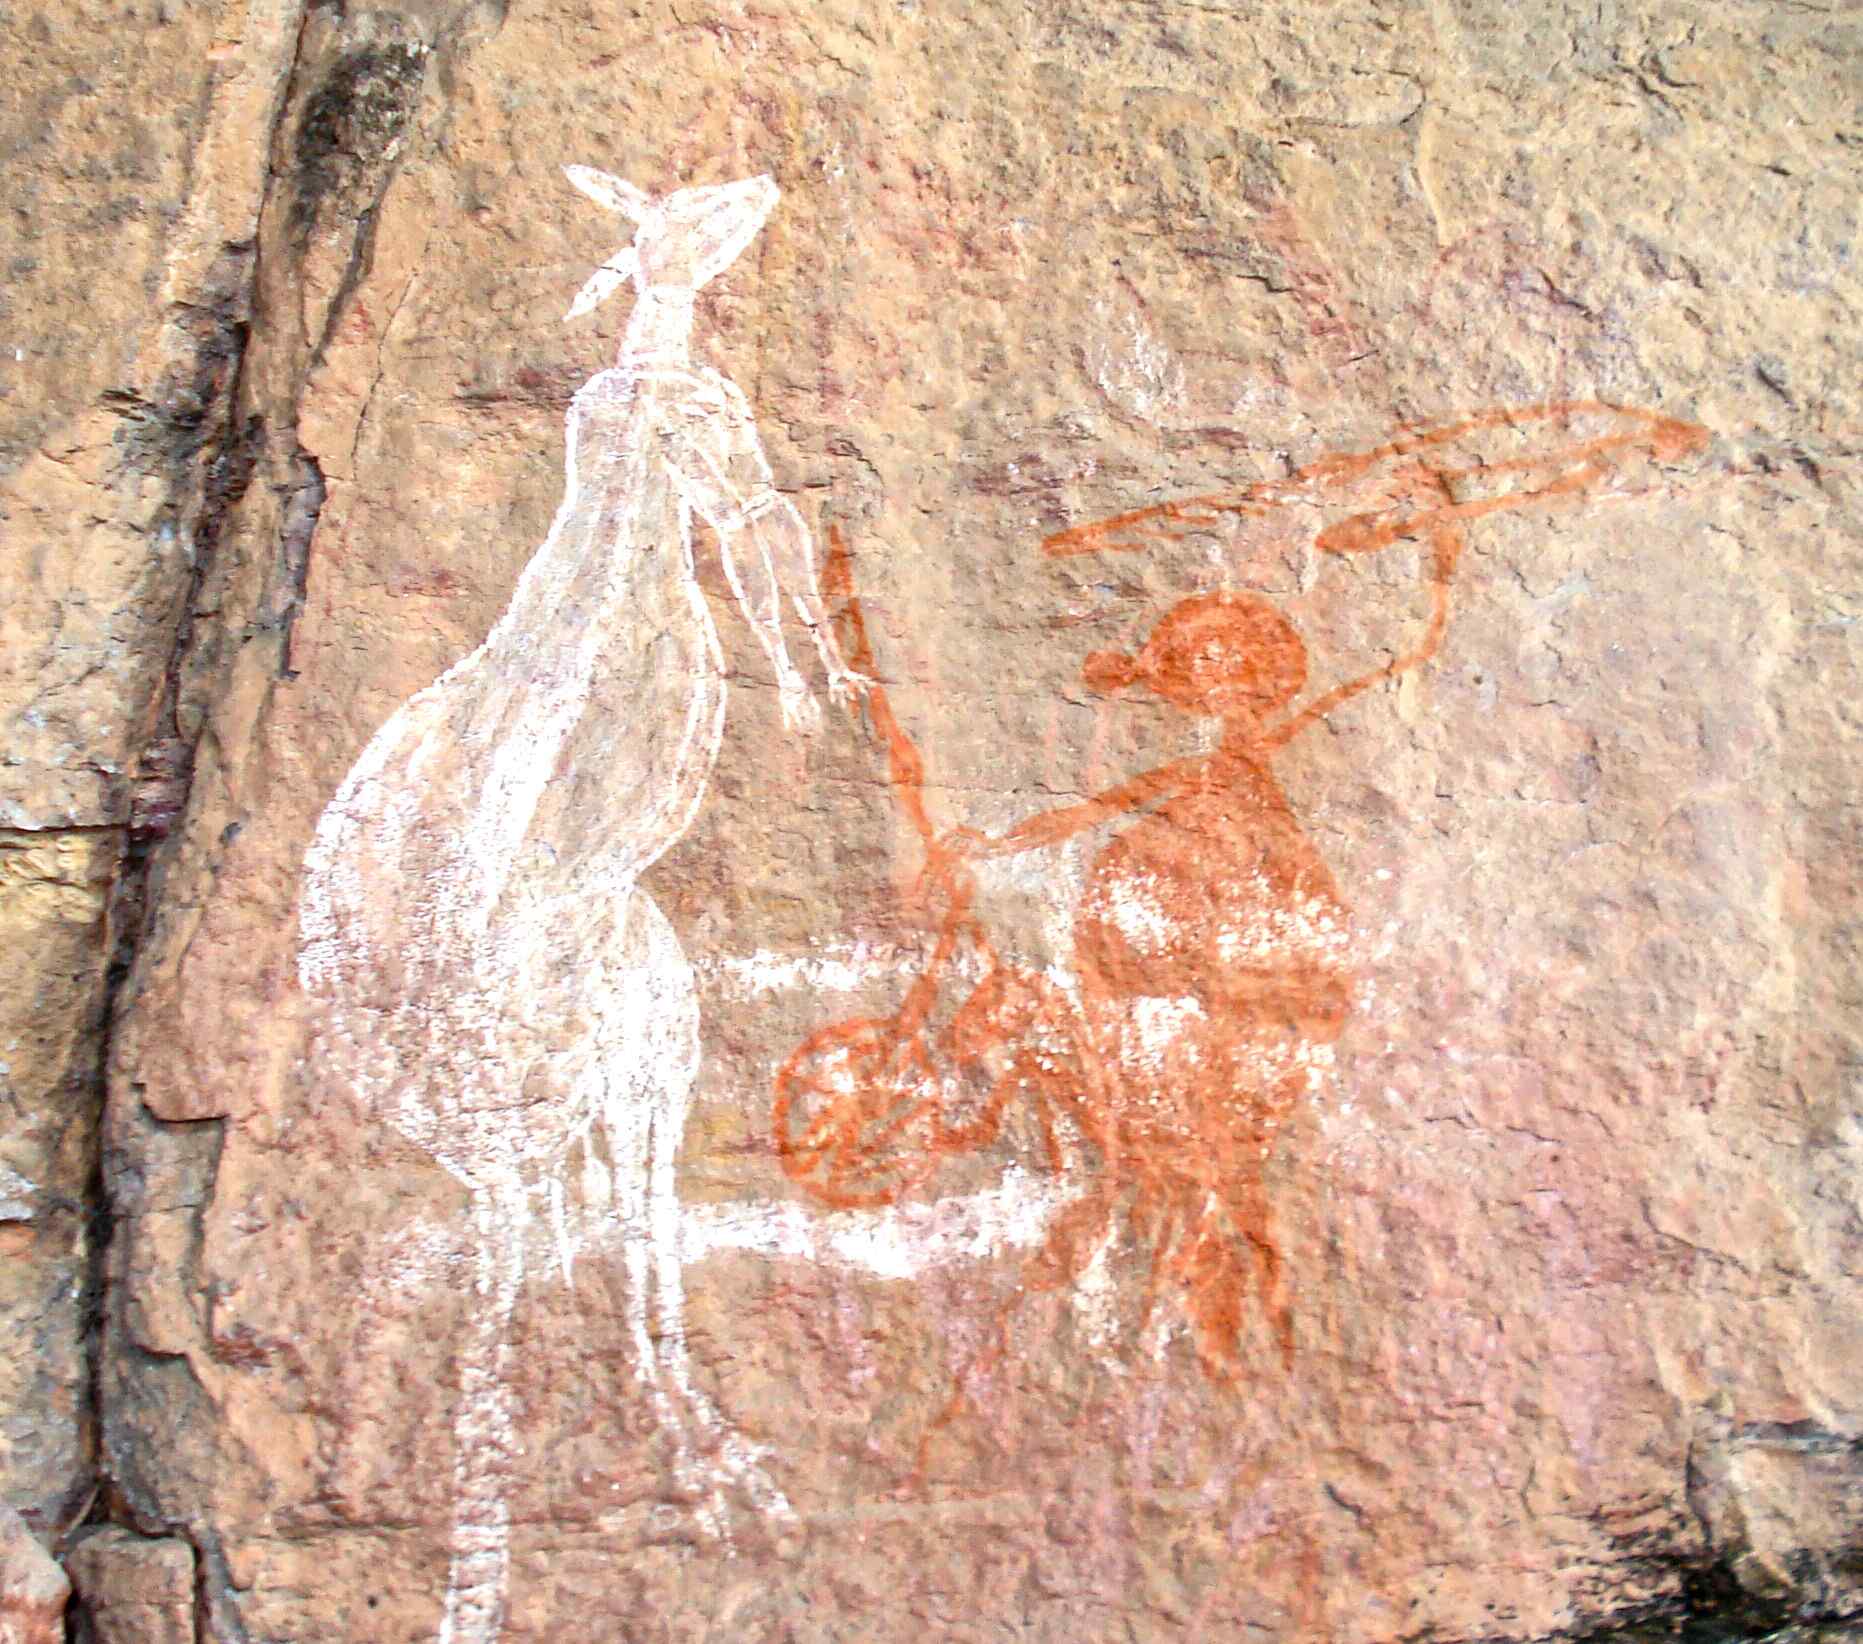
685, 239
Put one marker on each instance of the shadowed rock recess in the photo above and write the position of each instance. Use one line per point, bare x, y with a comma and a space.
853, 820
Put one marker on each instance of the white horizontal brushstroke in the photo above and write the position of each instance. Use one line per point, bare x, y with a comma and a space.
901, 1242
836, 967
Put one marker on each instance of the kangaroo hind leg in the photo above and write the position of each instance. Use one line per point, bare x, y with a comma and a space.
649, 1059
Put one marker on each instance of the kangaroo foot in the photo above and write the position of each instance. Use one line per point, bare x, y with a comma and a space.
718, 1471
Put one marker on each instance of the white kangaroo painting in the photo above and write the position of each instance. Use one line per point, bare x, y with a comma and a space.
492, 981
488, 977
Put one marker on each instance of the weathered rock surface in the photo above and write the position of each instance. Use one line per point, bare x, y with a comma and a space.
134, 1590
53, 897
1566, 1335
33, 1589
133, 182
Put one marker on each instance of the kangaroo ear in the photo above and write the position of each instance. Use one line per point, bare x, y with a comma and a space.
603, 283
721, 221
611, 192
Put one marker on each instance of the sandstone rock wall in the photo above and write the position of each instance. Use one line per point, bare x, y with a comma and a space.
1397, 1181
134, 141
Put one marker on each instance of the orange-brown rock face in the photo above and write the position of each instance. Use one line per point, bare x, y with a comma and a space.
135, 146
1089, 875
33, 1589
135, 1589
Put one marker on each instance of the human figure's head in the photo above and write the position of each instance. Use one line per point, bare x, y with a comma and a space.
1231, 655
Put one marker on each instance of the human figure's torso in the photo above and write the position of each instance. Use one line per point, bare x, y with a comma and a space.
1211, 949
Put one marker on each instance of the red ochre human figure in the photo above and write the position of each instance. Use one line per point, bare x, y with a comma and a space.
1211, 943
1211, 951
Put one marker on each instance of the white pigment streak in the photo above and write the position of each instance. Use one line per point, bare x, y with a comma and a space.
831, 967
1136, 912
1158, 1023
900, 1242
1095, 1301
1134, 370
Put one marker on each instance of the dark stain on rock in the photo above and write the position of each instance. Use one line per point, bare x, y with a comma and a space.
353, 123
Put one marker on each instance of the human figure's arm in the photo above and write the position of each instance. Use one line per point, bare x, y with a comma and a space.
717, 462
1436, 491
1052, 827
1439, 566
1544, 474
